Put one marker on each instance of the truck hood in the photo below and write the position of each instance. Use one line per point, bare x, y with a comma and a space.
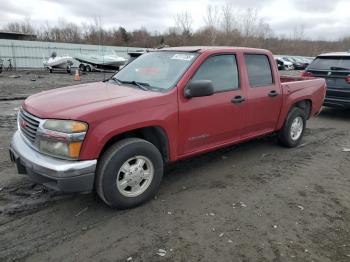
74, 102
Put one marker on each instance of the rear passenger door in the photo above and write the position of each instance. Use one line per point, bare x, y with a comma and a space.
263, 93
207, 122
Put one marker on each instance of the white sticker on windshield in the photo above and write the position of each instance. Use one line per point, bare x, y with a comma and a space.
185, 57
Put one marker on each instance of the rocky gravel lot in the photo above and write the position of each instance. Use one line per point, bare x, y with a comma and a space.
253, 202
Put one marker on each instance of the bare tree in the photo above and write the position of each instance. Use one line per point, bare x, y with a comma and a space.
183, 21
212, 22
248, 22
44, 31
298, 32
228, 22
263, 30
95, 32
212, 18
21, 27
224, 25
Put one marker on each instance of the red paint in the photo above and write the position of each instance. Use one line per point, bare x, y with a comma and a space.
192, 126
23, 123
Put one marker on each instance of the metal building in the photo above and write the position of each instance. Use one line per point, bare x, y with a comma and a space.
16, 35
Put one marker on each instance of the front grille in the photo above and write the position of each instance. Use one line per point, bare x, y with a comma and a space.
28, 125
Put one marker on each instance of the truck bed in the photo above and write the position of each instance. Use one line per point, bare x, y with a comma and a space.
286, 79
302, 88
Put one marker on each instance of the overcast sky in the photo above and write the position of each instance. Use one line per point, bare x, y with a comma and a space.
322, 19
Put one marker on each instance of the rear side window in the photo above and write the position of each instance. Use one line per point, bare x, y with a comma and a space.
221, 70
330, 63
259, 70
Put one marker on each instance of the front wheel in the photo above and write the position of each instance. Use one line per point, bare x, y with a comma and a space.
129, 173
293, 129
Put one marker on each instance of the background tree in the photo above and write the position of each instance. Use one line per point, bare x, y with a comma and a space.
212, 22
223, 25
183, 22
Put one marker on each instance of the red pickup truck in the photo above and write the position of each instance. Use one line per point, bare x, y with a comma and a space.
116, 136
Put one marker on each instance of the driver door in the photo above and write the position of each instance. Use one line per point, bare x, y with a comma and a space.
210, 121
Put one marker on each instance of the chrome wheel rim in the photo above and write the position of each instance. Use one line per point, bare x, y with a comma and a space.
135, 176
296, 128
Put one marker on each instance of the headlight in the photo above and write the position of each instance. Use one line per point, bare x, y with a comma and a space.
65, 150
62, 138
65, 126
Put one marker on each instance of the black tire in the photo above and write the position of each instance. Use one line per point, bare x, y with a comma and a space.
50, 70
88, 68
82, 68
110, 163
285, 134
68, 70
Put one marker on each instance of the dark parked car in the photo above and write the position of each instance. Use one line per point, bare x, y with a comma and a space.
335, 68
298, 63
135, 54
280, 64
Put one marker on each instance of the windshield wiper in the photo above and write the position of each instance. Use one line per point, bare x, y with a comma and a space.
339, 68
112, 78
143, 86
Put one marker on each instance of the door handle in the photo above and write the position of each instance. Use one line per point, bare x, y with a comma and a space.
273, 93
238, 99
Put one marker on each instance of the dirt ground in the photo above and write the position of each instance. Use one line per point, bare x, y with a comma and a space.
252, 202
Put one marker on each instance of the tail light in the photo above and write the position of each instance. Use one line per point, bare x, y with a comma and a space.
307, 74
347, 79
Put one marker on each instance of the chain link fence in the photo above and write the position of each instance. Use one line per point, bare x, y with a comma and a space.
30, 54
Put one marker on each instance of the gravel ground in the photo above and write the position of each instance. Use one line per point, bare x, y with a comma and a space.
16, 85
253, 202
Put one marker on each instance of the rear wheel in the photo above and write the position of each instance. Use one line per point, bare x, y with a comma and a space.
129, 173
88, 68
293, 130
82, 67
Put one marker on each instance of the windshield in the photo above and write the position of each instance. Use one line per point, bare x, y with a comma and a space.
158, 70
330, 63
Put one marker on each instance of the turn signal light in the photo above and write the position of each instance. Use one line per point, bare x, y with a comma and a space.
307, 74
78, 127
74, 149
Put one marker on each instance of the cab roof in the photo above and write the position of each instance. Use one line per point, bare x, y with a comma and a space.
336, 54
202, 49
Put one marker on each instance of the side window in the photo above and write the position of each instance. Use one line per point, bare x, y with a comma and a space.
259, 70
221, 70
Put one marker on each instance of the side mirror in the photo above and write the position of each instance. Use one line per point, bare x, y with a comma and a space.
199, 88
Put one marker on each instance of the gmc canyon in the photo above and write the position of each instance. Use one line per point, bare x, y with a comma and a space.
115, 137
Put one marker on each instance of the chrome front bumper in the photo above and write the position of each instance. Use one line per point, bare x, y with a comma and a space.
61, 175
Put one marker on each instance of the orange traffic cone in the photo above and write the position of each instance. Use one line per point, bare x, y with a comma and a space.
77, 76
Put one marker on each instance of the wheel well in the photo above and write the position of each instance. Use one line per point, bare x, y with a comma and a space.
305, 105
154, 134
